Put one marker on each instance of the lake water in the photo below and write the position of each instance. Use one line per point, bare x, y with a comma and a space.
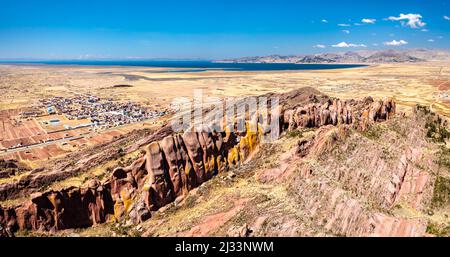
198, 66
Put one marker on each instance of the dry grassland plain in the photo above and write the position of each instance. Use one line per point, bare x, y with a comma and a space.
424, 83
23, 86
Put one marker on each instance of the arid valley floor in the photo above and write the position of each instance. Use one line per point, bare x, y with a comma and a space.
423, 83
390, 178
23, 86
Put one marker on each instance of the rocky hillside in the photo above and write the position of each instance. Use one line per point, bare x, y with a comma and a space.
382, 56
342, 167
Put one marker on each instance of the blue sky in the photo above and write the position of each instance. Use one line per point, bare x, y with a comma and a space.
213, 29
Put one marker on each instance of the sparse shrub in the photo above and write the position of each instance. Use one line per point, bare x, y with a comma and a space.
423, 109
294, 134
189, 202
438, 230
431, 129
444, 158
373, 132
121, 229
436, 129
441, 192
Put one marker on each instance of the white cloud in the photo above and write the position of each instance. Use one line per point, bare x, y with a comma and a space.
344, 25
346, 31
357, 24
430, 40
396, 43
375, 44
368, 21
424, 30
344, 44
446, 18
319, 46
412, 20
324, 21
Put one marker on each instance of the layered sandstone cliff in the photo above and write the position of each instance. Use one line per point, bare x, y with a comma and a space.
169, 168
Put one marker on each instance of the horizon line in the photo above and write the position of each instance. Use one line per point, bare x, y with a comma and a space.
26, 59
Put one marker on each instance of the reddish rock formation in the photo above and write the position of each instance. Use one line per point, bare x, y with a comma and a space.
348, 183
175, 164
68, 208
334, 112
10, 168
72, 165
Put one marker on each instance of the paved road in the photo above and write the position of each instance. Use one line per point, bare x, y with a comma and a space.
18, 149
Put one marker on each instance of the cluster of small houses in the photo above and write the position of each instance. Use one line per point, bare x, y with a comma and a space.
101, 112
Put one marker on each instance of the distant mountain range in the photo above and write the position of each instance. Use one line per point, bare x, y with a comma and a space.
367, 56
